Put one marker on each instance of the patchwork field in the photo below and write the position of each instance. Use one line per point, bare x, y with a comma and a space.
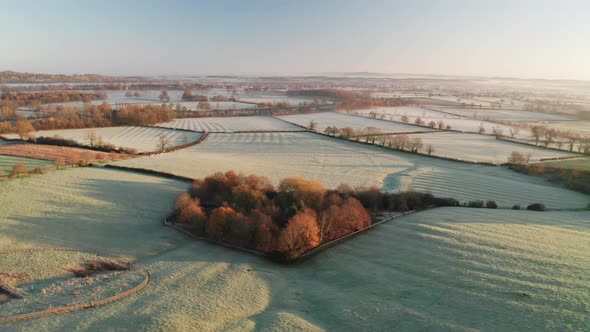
333, 161
231, 124
412, 112
579, 127
506, 115
456, 122
578, 163
53, 153
144, 139
292, 101
482, 148
342, 120
448, 269
8, 162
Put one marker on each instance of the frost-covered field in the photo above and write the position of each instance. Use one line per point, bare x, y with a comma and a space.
231, 124
580, 127
455, 121
451, 269
395, 113
293, 101
342, 120
501, 114
333, 161
8, 162
482, 148
144, 139
217, 105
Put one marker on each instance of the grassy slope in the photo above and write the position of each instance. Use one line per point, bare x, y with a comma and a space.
447, 269
143, 139
342, 120
7, 162
333, 161
578, 164
231, 124
482, 148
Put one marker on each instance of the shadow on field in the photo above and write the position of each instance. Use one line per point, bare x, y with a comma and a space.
121, 217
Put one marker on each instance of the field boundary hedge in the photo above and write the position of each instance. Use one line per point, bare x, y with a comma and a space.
299, 259
151, 172
508, 139
74, 307
178, 147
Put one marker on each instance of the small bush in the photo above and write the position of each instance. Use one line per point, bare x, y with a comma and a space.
536, 207
516, 207
475, 204
491, 205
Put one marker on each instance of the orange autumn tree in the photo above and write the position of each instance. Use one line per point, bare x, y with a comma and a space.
300, 234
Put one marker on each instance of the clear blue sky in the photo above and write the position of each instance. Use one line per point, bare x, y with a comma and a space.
546, 39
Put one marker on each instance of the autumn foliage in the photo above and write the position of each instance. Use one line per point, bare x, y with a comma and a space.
247, 211
285, 222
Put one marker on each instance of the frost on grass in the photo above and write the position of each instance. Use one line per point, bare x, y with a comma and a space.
445, 269
144, 139
333, 161
342, 120
231, 124
480, 148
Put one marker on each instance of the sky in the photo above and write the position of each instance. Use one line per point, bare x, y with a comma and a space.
509, 38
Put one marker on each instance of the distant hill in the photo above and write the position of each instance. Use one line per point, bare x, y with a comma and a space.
17, 77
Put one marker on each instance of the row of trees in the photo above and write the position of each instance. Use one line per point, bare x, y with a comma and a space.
91, 116
35, 99
374, 135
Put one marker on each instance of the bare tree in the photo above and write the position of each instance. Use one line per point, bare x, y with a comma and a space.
163, 142
429, 149
537, 132
92, 138
513, 131
482, 129
312, 125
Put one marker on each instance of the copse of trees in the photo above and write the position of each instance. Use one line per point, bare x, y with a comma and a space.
46, 97
287, 221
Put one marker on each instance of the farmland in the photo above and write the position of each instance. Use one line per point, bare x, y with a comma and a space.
577, 164
231, 124
341, 120
51, 152
482, 148
578, 127
446, 269
505, 115
333, 161
8, 162
144, 139
456, 122
412, 112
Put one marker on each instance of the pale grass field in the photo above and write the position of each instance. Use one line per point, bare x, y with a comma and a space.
8, 162
342, 120
144, 139
333, 161
231, 124
482, 148
450, 269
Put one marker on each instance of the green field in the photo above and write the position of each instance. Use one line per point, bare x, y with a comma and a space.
582, 164
447, 269
7, 162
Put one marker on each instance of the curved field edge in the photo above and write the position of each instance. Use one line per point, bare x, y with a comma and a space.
74, 307
334, 161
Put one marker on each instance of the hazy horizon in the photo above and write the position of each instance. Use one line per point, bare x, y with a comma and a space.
519, 39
